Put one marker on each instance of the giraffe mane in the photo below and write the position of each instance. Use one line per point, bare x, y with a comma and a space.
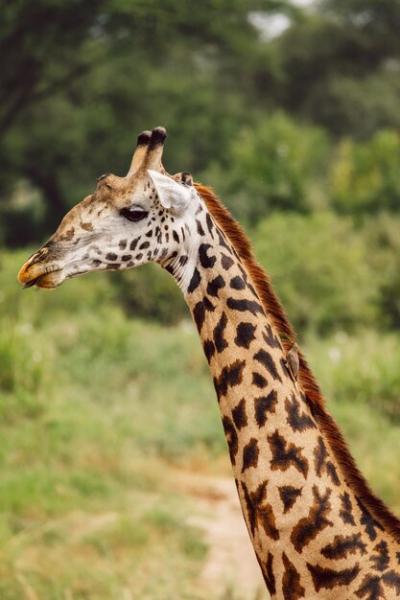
311, 389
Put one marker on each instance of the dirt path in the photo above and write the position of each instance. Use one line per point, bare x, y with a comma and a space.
231, 570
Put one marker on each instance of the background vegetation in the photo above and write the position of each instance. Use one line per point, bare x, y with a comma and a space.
291, 114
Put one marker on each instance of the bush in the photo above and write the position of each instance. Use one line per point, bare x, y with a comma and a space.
274, 165
364, 177
319, 266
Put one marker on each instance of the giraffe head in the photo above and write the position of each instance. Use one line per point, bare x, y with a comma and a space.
127, 221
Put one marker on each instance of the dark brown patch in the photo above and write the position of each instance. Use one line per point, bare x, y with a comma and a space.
244, 334
239, 414
207, 262
329, 578
209, 349
392, 579
264, 405
231, 438
226, 262
244, 305
270, 338
267, 361
250, 455
268, 572
343, 545
199, 312
215, 285
230, 376
237, 283
195, 281
260, 512
381, 559
87, 226
111, 256
218, 333
322, 465
298, 420
291, 582
285, 455
370, 588
259, 380
309, 527
370, 524
346, 513
289, 495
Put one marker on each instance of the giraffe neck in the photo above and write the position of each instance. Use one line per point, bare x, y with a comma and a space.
310, 532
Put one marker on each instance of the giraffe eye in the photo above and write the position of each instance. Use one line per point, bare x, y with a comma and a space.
134, 214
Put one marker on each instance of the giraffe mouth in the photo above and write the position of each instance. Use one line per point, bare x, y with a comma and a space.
36, 275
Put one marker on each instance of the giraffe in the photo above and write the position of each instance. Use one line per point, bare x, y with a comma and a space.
317, 529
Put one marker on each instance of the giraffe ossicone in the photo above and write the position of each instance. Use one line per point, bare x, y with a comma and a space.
317, 529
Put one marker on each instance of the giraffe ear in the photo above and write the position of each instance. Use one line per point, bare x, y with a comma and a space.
173, 196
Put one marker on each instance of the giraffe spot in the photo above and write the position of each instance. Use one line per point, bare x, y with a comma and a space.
343, 545
392, 579
175, 236
316, 521
239, 414
288, 495
264, 405
237, 283
244, 334
259, 512
126, 257
370, 524
134, 243
207, 262
245, 305
215, 285
222, 239
298, 420
218, 333
346, 510
265, 359
268, 573
330, 578
226, 262
122, 244
285, 455
231, 438
209, 349
250, 455
144, 245
199, 312
270, 338
230, 376
381, 559
210, 225
195, 281
86, 226
370, 588
200, 229
291, 582
259, 380
111, 256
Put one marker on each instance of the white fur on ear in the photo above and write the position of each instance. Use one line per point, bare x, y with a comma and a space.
173, 195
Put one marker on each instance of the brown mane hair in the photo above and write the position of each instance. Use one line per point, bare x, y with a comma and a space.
314, 397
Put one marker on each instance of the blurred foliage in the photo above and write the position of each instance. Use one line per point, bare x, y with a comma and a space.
296, 130
319, 267
365, 176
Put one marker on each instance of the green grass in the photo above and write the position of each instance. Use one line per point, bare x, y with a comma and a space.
96, 414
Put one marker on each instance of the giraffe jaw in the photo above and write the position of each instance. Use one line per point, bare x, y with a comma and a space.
40, 276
